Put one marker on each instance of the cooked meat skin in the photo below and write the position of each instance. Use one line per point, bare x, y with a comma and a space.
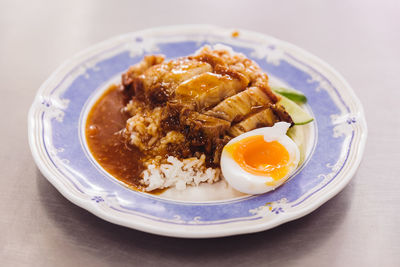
134, 71
208, 89
205, 134
264, 118
157, 84
209, 58
210, 127
240, 105
282, 115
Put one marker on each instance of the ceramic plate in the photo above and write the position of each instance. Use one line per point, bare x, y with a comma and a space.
335, 141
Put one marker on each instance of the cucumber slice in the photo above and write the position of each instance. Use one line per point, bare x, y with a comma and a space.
299, 115
297, 135
292, 94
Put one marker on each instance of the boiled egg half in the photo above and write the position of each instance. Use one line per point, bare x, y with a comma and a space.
260, 160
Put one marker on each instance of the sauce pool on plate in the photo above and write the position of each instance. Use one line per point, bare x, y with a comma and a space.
108, 147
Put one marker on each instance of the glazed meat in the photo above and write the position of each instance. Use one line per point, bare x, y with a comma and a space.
157, 84
205, 133
208, 89
264, 118
133, 72
196, 104
236, 107
208, 127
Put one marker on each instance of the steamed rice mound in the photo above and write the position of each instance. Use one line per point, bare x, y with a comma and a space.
179, 173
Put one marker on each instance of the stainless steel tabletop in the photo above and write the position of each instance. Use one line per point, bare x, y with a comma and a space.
358, 227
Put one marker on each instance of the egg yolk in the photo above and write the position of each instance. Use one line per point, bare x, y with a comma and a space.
259, 157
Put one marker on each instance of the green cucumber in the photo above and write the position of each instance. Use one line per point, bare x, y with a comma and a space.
292, 94
298, 114
297, 135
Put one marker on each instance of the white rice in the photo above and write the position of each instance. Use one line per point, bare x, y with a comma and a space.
179, 173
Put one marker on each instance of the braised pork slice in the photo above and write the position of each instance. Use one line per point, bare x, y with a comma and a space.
208, 89
209, 127
282, 114
264, 118
157, 84
134, 71
204, 133
236, 107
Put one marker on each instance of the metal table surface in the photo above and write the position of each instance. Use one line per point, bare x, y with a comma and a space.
358, 227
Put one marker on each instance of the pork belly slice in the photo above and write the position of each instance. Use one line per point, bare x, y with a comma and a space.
134, 71
236, 107
208, 89
282, 114
210, 58
207, 126
157, 84
206, 134
264, 118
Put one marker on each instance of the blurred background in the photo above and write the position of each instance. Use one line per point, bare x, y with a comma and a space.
361, 39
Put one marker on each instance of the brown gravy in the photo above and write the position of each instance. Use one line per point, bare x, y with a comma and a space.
105, 120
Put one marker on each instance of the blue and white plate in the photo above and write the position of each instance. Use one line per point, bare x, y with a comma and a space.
335, 143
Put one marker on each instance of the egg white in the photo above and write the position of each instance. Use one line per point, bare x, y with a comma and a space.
249, 183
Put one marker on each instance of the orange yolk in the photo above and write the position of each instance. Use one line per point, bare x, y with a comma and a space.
259, 157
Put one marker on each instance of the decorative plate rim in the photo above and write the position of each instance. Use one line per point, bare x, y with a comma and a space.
184, 231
